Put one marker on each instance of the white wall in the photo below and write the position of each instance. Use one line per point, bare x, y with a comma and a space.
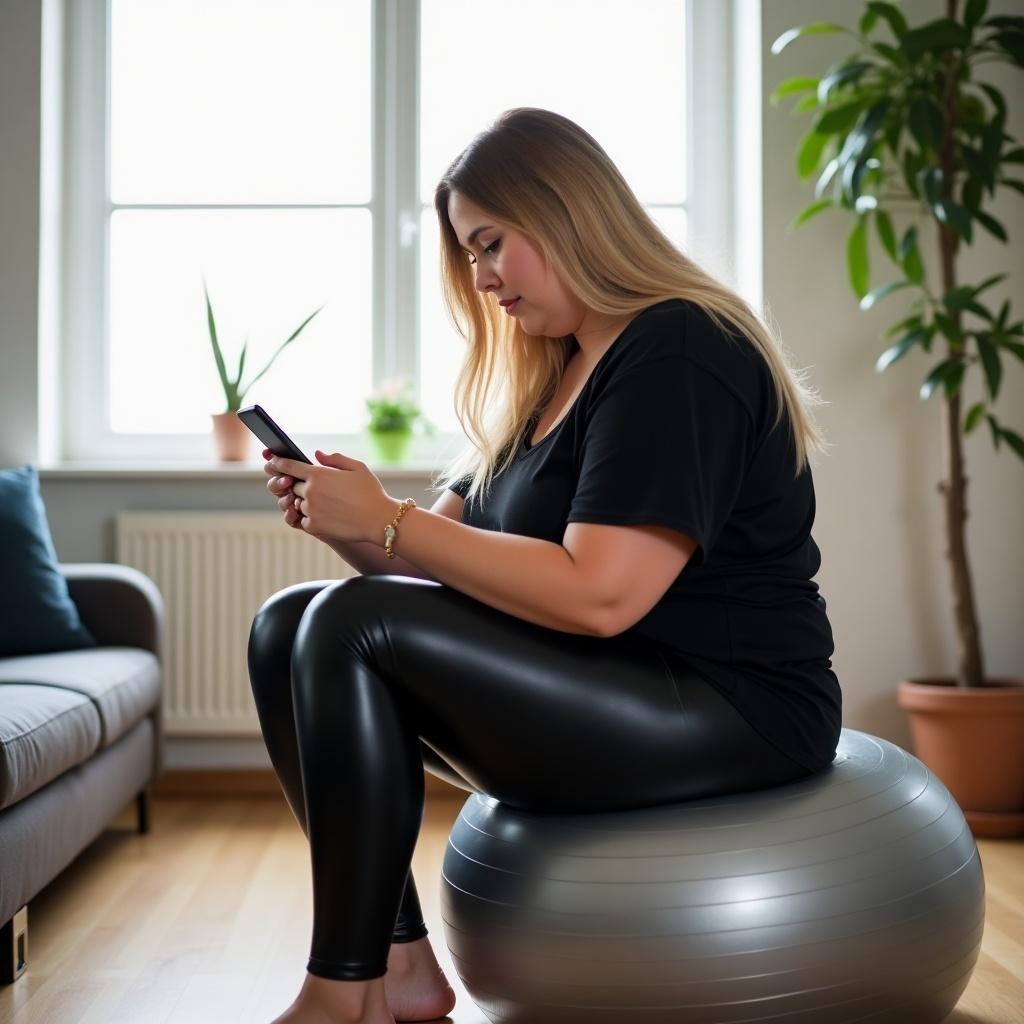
879, 516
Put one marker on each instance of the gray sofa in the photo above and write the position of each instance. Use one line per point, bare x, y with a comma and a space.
80, 738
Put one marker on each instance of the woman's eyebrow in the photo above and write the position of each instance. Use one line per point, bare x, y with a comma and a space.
474, 233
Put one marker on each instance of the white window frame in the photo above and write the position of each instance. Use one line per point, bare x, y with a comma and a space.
715, 46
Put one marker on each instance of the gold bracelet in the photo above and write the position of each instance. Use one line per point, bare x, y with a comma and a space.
391, 530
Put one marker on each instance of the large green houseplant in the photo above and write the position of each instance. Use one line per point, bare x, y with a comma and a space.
912, 147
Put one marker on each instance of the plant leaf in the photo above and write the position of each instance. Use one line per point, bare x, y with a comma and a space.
814, 28
843, 74
948, 373
993, 427
838, 119
801, 83
911, 321
883, 224
934, 37
283, 346
974, 417
878, 294
998, 100
954, 216
809, 153
912, 265
892, 15
974, 12
809, 211
218, 358
927, 122
1014, 440
1012, 43
900, 349
987, 283
991, 363
857, 258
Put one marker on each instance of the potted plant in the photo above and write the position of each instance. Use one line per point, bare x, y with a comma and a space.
904, 139
231, 436
393, 414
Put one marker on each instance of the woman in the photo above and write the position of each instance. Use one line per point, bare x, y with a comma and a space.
610, 606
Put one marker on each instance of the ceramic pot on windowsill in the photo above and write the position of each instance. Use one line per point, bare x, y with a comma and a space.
231, 437
973, 739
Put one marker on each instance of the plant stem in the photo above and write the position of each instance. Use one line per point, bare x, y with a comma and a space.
954, 488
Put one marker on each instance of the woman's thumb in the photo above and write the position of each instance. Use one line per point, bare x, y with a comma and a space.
335, 459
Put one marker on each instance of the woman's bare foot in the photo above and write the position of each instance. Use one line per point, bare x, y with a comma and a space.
323, 1001
415, 986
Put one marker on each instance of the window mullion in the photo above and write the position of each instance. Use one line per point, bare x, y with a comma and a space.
85, 354
395, 178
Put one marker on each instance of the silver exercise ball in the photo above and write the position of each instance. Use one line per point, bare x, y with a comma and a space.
854, 894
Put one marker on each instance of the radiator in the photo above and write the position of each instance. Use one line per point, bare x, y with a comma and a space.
214, 570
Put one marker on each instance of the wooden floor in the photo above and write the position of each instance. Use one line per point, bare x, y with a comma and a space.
206, 920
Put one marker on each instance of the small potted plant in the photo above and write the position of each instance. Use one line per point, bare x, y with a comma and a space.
393, 414
906, 140
231, 436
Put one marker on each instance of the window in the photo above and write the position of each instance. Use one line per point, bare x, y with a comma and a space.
287, 152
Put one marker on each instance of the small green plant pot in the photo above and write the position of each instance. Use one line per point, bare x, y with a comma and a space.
390, 445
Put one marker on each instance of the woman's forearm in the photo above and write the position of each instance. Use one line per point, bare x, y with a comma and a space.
371, 560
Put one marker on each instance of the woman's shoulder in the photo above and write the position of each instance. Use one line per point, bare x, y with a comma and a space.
681, 329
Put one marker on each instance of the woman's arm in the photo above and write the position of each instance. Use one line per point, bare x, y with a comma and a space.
371, 560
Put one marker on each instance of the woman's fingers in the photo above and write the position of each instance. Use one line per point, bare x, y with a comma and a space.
280, 484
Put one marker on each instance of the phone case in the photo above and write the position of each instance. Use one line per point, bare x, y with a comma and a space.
259, 421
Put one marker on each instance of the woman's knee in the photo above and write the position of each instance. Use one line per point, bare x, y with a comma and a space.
348, 606
273, 629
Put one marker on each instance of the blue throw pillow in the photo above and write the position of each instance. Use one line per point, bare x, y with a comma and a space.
37, 614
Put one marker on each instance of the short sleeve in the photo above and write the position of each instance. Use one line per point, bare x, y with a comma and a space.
665, 444
461, 486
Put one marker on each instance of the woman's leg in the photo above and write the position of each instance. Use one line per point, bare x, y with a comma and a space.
269, 655
535, 717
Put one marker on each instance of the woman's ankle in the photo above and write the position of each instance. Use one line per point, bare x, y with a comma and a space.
408, 957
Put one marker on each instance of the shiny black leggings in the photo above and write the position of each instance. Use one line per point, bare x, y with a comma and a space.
363, 682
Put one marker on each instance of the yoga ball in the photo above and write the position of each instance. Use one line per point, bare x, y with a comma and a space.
854, 894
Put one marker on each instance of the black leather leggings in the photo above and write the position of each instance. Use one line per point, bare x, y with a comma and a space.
363, 682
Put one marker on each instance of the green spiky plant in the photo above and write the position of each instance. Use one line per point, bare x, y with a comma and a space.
233, 390
902, 128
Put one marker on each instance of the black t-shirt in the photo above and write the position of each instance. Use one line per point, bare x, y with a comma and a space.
673, 428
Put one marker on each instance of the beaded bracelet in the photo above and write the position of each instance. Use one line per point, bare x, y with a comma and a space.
391, 530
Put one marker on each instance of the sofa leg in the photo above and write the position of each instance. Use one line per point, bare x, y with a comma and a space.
14, 947
142, 803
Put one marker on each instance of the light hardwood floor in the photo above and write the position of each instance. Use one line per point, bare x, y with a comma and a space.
206, 920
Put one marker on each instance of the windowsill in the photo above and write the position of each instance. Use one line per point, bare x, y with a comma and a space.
206, 470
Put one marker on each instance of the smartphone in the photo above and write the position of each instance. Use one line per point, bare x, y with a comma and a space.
258, 420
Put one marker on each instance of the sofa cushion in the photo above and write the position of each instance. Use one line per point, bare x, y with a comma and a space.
36, 612
44, 731
122, 682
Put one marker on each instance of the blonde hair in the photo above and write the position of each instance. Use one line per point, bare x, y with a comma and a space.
543, 175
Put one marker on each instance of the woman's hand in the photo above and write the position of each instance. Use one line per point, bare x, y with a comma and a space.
340, 499
281, 487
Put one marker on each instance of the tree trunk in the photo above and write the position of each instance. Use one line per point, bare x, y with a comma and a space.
970, 670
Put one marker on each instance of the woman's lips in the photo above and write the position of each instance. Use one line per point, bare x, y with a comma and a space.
510, 308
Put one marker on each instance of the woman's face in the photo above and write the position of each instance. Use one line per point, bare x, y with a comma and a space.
508, 266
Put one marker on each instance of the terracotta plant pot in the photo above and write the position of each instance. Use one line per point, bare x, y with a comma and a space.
232, 438
973, 739
390, 445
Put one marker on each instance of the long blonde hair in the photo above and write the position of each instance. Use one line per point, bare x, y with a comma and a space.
546, 177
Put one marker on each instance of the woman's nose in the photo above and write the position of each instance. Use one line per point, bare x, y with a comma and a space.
486, 279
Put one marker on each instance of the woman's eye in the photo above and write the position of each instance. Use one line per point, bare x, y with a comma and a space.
490, 249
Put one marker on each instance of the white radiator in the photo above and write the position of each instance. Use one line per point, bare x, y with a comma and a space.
214, 570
